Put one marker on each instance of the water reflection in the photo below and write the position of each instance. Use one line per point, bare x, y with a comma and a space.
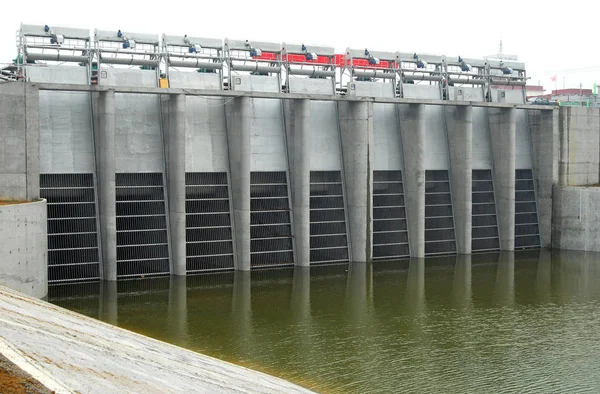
108, 303
300, 300
522, 321
505, 279
177, 314
461, 294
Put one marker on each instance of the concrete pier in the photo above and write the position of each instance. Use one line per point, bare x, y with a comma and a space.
104, 134
503, 132
299, 157
460, 137
412, 126
543, 126
239, 116
356, 127
175, 165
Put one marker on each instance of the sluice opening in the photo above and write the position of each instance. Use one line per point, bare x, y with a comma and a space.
390, 231
142, 239
270, 223
527, 232
328, 236
72, 228
209, 242
439, 217
484, 221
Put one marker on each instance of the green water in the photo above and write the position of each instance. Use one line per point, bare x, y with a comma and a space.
489, 323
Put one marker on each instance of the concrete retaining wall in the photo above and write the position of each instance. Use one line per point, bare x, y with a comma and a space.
579, 158
576, 218
23, 249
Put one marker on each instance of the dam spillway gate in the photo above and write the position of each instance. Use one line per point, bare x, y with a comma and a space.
141, 183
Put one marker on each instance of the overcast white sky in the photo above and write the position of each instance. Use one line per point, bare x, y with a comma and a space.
552, 38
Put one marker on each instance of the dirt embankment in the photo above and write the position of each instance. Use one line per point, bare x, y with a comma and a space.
11, 202
14, 381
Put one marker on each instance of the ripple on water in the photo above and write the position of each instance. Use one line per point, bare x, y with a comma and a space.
526, 326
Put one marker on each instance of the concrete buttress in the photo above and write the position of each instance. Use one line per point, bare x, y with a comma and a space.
239, 117
412, 128
299, 156
460, 137
105, 171
503, 131
176, 182
356, 127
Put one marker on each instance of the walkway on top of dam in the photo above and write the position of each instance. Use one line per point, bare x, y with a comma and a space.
279, 96
68, 352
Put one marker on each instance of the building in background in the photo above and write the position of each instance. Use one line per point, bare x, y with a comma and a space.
572, 97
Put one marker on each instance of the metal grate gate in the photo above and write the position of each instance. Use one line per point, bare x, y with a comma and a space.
270, 225
208, 222
439, 219
72, 232
527, 232
390, 233
142, 241
328, 237
484, 221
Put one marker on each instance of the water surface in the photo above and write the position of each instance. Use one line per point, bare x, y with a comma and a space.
525, 322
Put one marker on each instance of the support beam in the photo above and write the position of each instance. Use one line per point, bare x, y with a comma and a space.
239, 117
412, 130
299, 157
356, 127
175, 166
104, 135
460, 137
503, 131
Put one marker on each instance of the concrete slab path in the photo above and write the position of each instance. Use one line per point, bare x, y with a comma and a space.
68, 352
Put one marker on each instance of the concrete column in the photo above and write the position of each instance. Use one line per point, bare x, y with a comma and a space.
503, 131
356, 128
176, 181
239, 118
412, 128
545, 142
299, 157
32, 129
104, 135
460, 140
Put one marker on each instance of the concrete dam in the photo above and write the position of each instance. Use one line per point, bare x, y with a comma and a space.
180, 155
